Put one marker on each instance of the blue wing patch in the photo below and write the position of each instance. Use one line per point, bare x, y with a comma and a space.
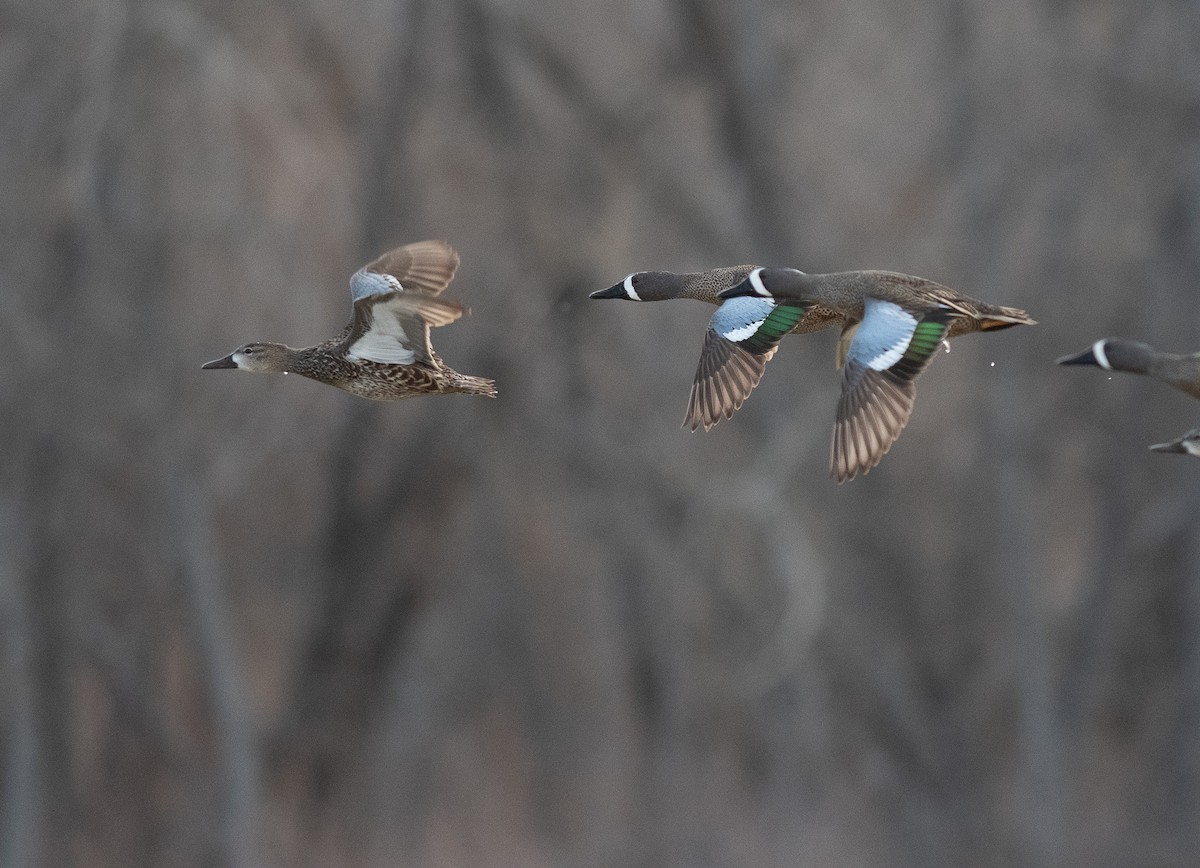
883, 335
366, 284
739, 318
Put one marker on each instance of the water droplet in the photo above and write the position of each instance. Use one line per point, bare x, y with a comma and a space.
993, 364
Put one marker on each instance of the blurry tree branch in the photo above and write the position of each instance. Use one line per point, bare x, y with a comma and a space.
364, 613
92, 112
221, 667
50, 667
733, 50
19, 820
620, 138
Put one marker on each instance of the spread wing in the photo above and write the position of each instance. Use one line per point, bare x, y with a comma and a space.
425, 265
886, 353
742, 337
396, 303
725, 377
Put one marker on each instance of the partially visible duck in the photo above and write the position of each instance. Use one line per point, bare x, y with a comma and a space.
1188, 444
1135, 357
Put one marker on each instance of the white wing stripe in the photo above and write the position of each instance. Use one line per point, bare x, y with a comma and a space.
740, 334
890, 356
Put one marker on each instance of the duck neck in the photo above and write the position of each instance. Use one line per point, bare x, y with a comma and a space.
306, 362
1130, 356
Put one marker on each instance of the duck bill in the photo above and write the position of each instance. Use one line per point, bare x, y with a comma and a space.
738, 290
226, 362
616, 291
1173, 446
1087, 357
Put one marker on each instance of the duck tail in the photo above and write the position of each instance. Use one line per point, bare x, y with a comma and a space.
996, 318
469, 385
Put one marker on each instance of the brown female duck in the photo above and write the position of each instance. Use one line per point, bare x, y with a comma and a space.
384, 354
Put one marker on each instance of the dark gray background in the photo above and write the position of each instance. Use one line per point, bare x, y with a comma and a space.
256, 621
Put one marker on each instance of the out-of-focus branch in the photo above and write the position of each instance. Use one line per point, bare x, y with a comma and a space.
216, 650
733, 49
19, 821
386, 178
1183, 801
1087, 662
1041, 799
53, 710
91, 113
612, 129
355, 616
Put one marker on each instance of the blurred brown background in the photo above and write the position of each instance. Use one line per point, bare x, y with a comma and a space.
256, 621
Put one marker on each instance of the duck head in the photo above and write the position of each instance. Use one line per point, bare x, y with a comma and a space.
644, 286
1113, 354
261, 358
778, 283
